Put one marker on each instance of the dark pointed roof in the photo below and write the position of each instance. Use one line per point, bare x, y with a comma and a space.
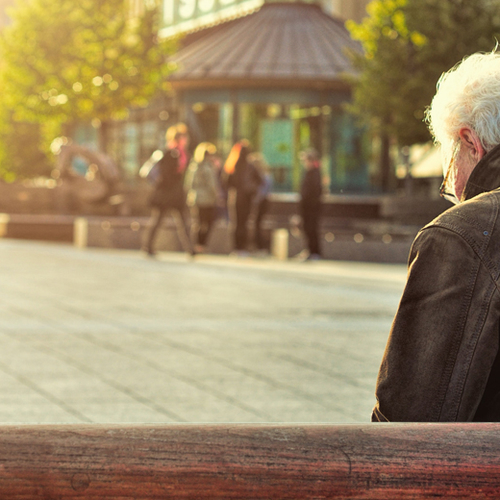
285, 44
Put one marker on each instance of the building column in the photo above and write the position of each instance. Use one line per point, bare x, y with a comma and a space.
236, 116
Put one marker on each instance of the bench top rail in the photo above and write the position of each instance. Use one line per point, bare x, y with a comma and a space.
264, 462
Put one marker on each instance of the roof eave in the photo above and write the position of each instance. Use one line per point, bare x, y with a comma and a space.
259, 83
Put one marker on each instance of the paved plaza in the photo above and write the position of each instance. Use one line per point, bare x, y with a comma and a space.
110, 336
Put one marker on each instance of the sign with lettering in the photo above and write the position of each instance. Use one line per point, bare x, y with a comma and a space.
186, 15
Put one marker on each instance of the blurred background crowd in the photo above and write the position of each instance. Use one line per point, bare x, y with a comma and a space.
89, 91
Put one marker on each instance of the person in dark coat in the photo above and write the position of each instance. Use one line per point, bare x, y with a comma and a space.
310, 201
168, 196
261, 199
246, 180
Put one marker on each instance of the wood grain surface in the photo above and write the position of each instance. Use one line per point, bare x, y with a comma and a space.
258, 462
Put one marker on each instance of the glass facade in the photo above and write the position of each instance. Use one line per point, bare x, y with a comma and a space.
131, 142
280, 130
87, 136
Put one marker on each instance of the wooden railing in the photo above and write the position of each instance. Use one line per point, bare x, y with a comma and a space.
299, 462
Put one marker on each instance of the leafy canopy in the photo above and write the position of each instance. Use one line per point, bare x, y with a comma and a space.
407, 45
63, 62
80, 60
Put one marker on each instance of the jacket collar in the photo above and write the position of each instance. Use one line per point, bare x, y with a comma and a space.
485, 176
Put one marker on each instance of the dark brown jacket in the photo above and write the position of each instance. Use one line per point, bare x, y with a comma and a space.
442, 361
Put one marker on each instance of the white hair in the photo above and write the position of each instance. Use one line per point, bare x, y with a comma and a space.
468, 95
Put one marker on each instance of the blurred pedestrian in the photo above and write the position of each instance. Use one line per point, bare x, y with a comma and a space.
203, 191
261, 201
168, 197
222, 210
310, 202
245, 180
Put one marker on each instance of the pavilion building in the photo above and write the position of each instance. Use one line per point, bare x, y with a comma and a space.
275, 73
277, 77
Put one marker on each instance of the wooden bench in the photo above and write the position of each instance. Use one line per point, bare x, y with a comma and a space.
371, 461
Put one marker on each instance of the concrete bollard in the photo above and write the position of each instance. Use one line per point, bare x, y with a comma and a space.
80, 232
279, 244
4, 222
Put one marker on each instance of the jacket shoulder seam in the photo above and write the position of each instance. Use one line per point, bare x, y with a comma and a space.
476, 248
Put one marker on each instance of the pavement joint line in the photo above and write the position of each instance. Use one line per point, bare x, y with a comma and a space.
320, 369
178, 376
85, 369
324, 347
189, 380
348, 313
47, 395
240, 369
112, 383
252, 373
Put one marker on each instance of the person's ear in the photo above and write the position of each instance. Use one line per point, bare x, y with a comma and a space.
472, 143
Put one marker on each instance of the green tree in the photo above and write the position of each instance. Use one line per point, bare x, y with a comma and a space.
407, 45
65, 62
21, 151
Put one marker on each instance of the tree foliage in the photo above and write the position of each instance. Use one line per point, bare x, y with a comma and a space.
21, 152
64, 62
407, 45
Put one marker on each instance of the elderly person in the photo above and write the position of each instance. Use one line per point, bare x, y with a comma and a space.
442, 361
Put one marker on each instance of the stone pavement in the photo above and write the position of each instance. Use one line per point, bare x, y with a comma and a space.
111, 336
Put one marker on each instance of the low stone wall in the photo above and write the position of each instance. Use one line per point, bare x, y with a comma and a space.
49, 198
19, 198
